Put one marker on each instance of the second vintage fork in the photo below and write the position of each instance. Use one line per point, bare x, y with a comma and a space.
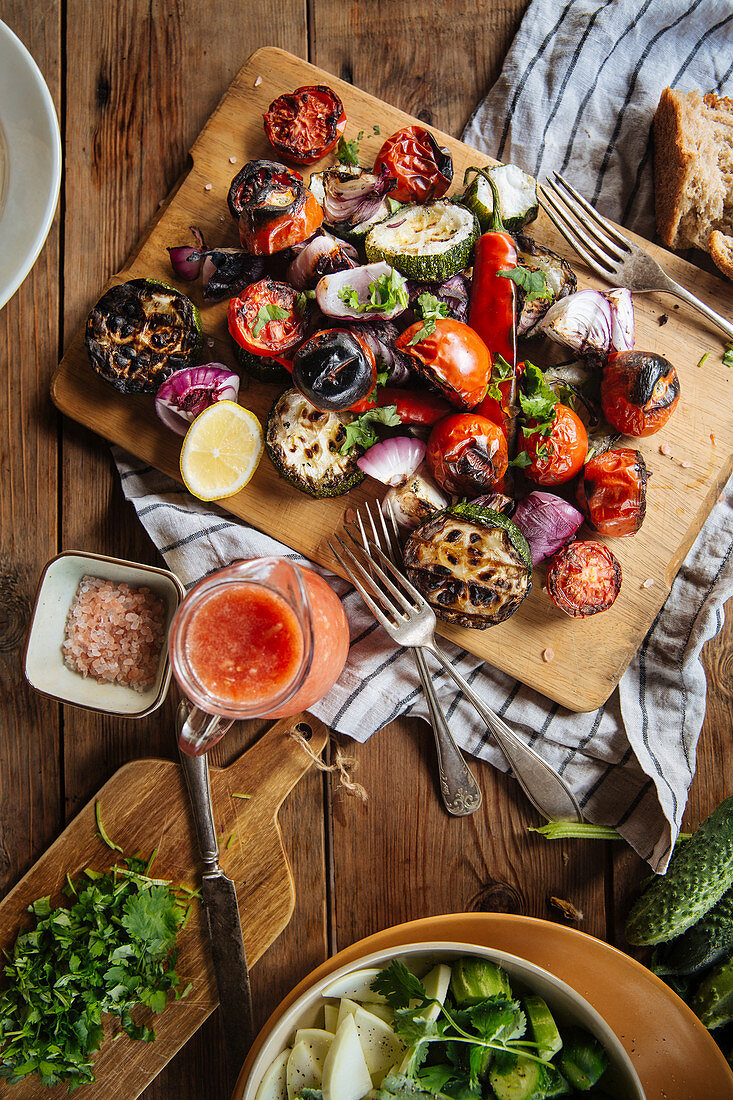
410, 621
609, 252
458, 788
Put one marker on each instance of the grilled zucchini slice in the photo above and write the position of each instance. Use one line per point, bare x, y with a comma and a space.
472, 564
428, 243
559, 277
304, 445
141, 331
518, 203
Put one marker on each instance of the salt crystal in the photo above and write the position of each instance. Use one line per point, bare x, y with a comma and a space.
648, 583
207, 186
258, 81
232, 160
685, 465
548, 655
665, 449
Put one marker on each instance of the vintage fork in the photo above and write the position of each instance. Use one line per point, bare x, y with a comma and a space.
608, 252
460, 791
410, 621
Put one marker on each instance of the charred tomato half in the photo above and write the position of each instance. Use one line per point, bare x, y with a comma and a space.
583, 579
639, 392
335, 369
273, 207
423, 169
467, 454
612, 492
305, 125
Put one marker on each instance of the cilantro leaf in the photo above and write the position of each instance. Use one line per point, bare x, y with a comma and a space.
501, 371
536, 399
398, 984
533, 283
728, 356
431, 309
347, 152
396, 1086
268, 313
521, 461
360, 432
385, 293
498, 1021
433, 1078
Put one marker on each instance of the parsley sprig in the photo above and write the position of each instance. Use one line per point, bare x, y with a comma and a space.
360, 432
431, 309
533, 283
385, 293
268, 313
347, 152
110, 950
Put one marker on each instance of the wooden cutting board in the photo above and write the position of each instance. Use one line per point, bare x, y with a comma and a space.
145, 806
590, 655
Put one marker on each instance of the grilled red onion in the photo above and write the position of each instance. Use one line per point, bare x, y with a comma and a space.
350, 200
381, 336
319, 256
416, 499
186, 259
187, 392
393, 460
455, 292
547, 522
591, 322
360, 280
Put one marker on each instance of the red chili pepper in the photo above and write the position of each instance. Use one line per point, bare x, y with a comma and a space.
493, 310
413, 406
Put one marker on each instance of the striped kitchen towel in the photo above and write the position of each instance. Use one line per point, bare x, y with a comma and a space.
577, 93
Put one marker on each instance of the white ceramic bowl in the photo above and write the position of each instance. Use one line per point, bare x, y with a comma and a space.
44, 664
30, 162
620, 1079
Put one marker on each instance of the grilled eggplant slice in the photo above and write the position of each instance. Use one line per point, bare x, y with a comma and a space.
472, 564
304, 445
559, 277
140, 332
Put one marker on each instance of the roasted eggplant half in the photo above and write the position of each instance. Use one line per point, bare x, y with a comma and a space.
472, 564
141, 331
559, 277
305, 444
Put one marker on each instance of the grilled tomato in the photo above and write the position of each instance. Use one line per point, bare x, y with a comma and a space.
472, 564
305, 125
335, 369
452, 357
422, 168
559, 455
467, 454
141, 331
612, 492
583, 579
273, 207
265, 319
639, 392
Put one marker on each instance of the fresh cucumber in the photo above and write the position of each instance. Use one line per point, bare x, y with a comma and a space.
514, 1077
543, 1027
700, 946
473, 980
582, 1059
699, 873
713, 1000
428, 243
518, 202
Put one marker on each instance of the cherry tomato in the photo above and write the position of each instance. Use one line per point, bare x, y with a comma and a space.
612, 492
583, 579
453, 357
265, 320
560, 455
639, 392
273, 207
334, 369
305, 125
422, 168
467, 454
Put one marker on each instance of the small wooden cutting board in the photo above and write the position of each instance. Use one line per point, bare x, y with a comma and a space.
145, 806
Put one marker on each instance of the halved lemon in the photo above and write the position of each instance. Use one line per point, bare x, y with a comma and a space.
221, 451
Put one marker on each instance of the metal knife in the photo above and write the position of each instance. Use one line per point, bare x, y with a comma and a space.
222, 916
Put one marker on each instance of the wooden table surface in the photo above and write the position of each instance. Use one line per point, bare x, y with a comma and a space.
133, 83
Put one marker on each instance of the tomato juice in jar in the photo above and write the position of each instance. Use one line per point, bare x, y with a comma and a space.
261, 638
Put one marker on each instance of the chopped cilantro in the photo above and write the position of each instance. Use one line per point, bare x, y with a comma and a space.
537, 399
376, 129
347, 152
533, 283
702, 361
431, 309
385, 293
501, 371
728, 356
268, 313
360, 432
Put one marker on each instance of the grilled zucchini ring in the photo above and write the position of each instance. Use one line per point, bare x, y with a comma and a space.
304, 445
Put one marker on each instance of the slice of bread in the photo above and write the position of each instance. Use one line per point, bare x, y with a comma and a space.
693, 173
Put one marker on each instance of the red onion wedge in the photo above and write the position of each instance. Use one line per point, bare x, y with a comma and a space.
622, 319
186, 259
374, 290
591, 323
417, 498
547, 522
187, 392
321, 255
393, 460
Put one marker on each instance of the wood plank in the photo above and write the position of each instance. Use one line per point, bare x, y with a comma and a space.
145, 806
679, 498
30, 793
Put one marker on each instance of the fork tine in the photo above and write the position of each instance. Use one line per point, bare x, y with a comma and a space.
356, 580
558, 219
394, 529
404, 602
393, 552
418, 600
586, 222
608, 226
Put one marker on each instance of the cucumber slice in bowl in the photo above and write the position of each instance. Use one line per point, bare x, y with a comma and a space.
518, 202
427, 242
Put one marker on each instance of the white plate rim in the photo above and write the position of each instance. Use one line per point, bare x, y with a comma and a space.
16, 278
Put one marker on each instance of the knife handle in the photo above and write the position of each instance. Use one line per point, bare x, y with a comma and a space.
196, 770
